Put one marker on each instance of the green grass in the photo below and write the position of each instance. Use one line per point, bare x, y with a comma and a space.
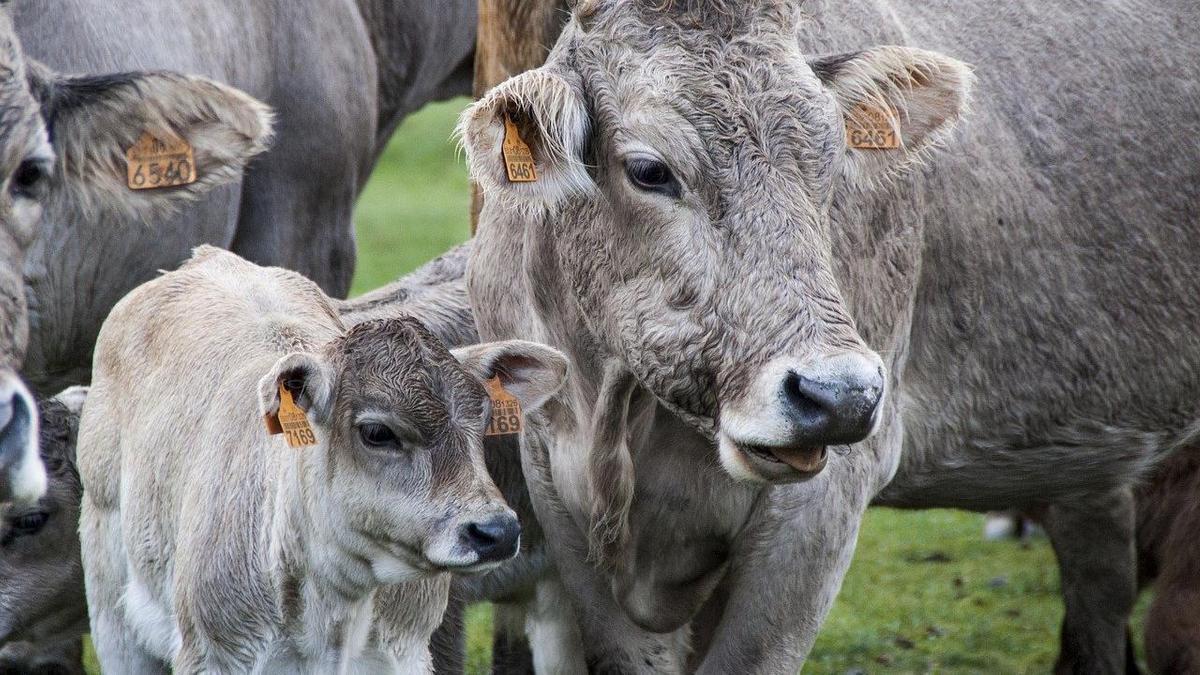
925, 593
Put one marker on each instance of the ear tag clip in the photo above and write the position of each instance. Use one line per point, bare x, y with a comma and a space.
869, 128
290, 421
518, 158
155, 162
506, 410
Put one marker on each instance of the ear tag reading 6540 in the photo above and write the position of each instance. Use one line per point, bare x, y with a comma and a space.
506, 410
291, 421
518, 158
154, 162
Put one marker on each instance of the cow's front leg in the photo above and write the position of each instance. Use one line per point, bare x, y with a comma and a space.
792, 559
1094, 541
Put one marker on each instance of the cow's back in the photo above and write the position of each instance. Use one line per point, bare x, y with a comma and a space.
310, 60
1056, 308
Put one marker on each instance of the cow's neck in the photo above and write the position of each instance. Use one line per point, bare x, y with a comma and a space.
423, 51
326, 595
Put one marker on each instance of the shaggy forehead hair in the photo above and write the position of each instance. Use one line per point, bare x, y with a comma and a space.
18, 113
717, 65
401, 357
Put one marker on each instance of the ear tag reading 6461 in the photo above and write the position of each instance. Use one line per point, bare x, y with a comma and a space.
155, 162
518, 158
506, 410
869, 128
290, 421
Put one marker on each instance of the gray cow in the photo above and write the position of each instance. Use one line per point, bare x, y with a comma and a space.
62, 157
340, 73
211, 546
782, 305
42, 611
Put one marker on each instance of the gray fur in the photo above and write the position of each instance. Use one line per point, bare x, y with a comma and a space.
42, 612
341, 73
1029, 289
209, 545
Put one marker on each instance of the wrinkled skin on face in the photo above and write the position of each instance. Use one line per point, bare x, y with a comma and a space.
690, 160
25, 162
43, 613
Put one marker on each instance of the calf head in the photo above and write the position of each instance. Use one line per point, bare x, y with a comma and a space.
62, 149
689, 159
41, 600
399, 463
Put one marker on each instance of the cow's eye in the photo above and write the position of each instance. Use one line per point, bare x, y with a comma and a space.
377, 435
31, 179
28, 524
651, 175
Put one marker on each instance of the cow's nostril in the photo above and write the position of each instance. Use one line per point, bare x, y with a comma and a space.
834, 402
494, 539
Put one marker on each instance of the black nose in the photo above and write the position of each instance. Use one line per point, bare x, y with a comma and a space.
834, 401
494, 539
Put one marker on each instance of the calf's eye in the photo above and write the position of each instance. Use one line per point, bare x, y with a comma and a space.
377, 435
651, 175
28, 524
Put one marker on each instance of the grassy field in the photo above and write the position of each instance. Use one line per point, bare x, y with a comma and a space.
925, 594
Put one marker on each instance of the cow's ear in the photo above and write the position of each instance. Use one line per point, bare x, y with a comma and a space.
532, 372
896, 103
541, 110
308, 377
95, 120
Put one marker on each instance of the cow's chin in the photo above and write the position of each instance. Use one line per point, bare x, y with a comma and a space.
770, 464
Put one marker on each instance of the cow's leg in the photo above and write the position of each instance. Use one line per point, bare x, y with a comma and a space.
105, 579
791, 560
1173, 623
1094, 542
550, 623
511, 654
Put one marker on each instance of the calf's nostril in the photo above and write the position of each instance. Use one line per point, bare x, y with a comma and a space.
835, 403
494, 539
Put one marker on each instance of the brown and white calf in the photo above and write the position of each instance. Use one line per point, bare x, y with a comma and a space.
210, 545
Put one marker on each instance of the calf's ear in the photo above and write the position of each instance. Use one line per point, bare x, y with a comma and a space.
532, 372
311, 381
94, 120
543, 111
896, 102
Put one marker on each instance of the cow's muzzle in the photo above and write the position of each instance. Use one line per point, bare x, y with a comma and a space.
22, 475
782, 430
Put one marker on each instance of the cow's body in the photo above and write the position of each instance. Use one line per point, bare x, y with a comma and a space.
1031, 288
210, 545
342, 74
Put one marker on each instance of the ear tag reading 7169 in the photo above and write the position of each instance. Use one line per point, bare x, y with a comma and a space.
506, 410
518, 158
290, 421
155, 162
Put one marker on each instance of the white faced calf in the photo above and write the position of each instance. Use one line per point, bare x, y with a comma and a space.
212, 546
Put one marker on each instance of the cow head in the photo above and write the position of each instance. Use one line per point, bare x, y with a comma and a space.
400, 421
689, 156
42, 600
62, 162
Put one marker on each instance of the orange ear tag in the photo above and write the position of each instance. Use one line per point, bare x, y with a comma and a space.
869, 128
518, 158
506, 410
155, 162
290, 421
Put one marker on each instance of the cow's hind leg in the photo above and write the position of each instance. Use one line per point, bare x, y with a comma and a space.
105, 577
1094, 542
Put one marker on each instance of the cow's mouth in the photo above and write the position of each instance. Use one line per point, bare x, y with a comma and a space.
762, 463
805, 459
